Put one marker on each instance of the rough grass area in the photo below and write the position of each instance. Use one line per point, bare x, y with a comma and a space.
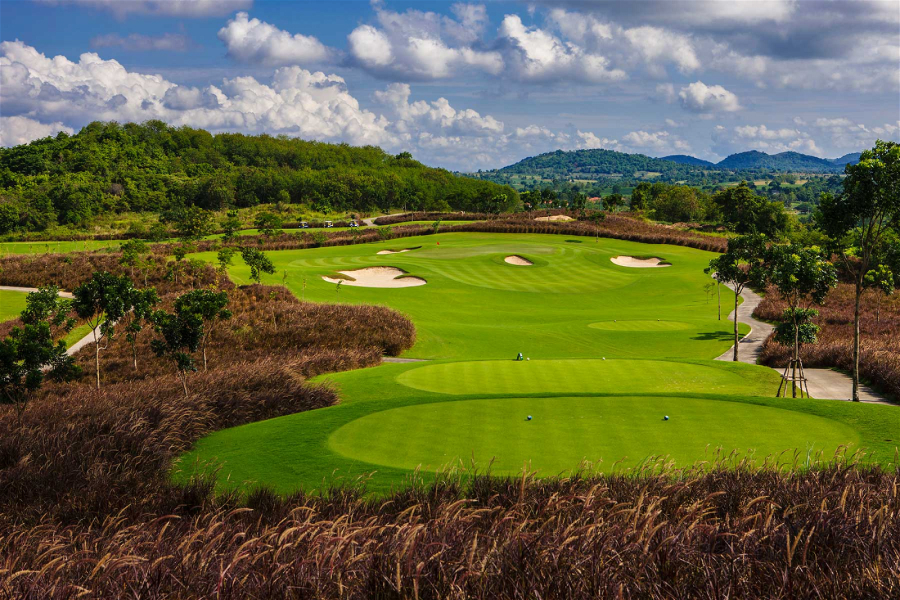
734, 532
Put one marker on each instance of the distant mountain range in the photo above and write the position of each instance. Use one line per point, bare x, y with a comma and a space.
785, 161
591, 164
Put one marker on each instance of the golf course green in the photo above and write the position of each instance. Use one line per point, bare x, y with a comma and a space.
610, 351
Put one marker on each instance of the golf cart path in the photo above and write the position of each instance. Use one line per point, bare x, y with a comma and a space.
370, 222
823, 383
88, 339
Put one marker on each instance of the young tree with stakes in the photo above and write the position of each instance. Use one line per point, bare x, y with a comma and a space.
742, 265
803, 277
210, 306
858, 222
101, 301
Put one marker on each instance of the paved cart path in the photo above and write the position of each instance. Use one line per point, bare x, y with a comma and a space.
823, 383
88, 339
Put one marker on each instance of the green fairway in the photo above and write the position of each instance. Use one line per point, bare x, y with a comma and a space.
477, 306
11, 304
570, 430
612, 350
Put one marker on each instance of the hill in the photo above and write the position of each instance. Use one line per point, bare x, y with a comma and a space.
595, 163
688, 160
108, 168
785, 161
848, 159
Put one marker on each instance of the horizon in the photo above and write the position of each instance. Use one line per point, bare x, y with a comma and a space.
465, 86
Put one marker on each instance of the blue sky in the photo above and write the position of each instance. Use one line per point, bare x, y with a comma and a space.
465, 85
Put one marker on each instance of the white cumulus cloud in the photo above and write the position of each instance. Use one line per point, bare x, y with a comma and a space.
21, 130
702, 98
254, 41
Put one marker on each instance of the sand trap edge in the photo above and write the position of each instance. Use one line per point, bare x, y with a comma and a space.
639, 263
376, 277
517, 260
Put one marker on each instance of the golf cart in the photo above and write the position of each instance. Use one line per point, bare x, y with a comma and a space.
304, 225
354, 224
329, 224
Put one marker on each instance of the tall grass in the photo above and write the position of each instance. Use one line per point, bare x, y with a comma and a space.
730, 533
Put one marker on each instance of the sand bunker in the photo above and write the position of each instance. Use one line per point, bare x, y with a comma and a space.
555, 218
377, 277
640, 263
397, 251
518, 260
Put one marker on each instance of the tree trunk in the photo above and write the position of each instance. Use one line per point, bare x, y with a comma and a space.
796, 359
97, 355
736, 339
134, 354
183, 377
856, 343
719, 294
204, 357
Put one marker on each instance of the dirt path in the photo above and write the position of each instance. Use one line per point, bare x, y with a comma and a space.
88, 339
823, 383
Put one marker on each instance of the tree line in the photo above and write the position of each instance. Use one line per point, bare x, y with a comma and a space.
113, 168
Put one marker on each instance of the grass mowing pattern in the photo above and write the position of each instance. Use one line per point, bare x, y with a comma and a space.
571, 430
586, 376
476, 306
567, 312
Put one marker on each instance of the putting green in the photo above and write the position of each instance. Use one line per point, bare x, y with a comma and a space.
625, 325
585, 376
571, 430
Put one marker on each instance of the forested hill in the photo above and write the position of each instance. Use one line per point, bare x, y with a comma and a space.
108, 167
688, 160
598, 163
594, 163
785, 161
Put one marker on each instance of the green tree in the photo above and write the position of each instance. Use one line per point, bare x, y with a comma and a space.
101, 301
258, 262
193, 223
742, 265
746, 212
803, 277
132, 251
180, 337
613, 202
268, 223
640, 196
859, 221
231, 224
31, 353
142, 303
210, 306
